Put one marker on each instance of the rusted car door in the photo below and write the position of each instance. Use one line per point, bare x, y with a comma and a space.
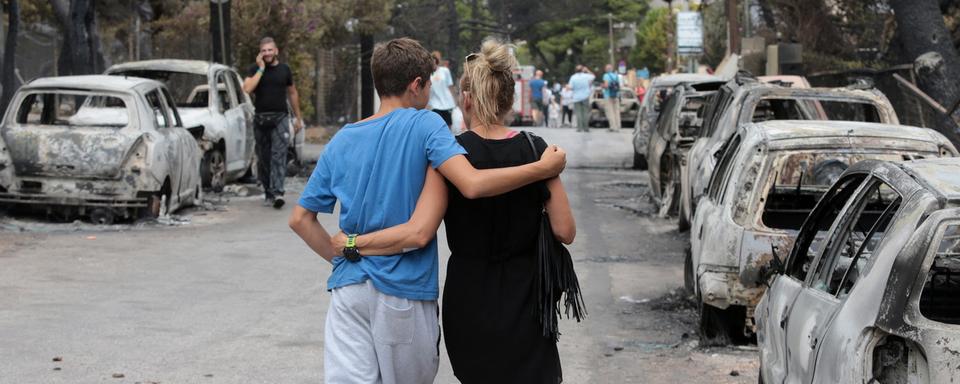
166, 142
188, 161
246, 105
931, 314
714, 234
659, 140
234, 114
852, 239
773, 311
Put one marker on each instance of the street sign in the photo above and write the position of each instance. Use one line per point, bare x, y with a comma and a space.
689, 33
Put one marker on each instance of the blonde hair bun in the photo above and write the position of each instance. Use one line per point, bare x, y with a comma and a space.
489, 79
498, 56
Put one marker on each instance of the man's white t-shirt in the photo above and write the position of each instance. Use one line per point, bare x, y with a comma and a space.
440, 97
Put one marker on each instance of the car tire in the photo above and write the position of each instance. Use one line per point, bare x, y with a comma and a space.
158, 204
683, 217
722, 326
683, 224
213, 170
639, 161
688, 274
670, 193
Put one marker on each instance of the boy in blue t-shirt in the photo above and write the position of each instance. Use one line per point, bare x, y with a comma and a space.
382, 320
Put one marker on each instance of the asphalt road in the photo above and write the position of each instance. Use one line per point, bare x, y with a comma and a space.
228, 294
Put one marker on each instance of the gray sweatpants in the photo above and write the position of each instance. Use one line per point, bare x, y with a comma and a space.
371, 337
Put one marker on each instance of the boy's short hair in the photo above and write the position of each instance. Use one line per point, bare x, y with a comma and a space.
398, 62
267, 40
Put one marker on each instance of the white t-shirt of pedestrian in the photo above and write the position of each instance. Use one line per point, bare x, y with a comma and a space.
440, 97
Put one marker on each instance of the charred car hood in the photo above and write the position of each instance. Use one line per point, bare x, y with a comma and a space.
93, 153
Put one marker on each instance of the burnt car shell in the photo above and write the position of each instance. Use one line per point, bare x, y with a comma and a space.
113, 158
745, 220
877, 330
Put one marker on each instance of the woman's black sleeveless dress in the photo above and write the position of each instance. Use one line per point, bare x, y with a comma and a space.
489, 322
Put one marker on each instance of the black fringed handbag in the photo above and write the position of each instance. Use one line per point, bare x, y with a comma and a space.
555, 279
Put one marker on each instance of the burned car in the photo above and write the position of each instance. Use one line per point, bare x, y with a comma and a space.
767, 181
629, 106
98, 147
677, 127
870, 292
744, 100
226, 115
658, 91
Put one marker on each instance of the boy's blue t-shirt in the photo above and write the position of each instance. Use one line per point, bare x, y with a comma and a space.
376, 169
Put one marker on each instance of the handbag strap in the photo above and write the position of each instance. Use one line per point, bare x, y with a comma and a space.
544, 192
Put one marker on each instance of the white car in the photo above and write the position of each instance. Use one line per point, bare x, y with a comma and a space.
99, 147
646, 119
226, 115
744, 100
870, 292
768, 179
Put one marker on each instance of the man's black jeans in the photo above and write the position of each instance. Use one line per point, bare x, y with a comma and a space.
272, 139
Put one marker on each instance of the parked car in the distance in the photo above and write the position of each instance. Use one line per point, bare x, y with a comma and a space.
660, 87
226, 115
678, 126
768, 179
629, 107
99, 147
870, 291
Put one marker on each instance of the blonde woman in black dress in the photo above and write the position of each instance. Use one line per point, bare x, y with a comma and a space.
489, 303
489, 306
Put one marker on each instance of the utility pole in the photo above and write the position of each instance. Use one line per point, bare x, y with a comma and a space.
733, 27
219, 31
610, 25
671, 38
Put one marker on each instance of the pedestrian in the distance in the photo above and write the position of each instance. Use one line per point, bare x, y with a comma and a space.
611, 97
582, 85
271, 84
537, 84
442, 91
566, 101
381, 325
552, 116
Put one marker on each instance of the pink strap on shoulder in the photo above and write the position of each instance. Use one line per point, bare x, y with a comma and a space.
512, 133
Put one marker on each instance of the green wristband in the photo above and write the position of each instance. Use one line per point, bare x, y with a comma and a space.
351, 241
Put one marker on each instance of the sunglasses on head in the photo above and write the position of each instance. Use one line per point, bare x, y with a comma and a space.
472, 56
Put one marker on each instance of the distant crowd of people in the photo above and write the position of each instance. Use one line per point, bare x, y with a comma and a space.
568, 104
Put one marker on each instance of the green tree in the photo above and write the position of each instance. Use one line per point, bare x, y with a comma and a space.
558, 44
652, 40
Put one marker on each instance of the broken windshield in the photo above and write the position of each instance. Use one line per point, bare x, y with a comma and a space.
806, 108
73, 109
800, 178
189, 90
940, 298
